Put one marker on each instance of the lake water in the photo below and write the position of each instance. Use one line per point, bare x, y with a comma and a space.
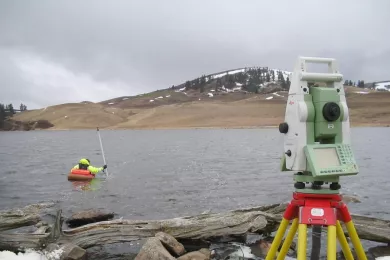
168, 173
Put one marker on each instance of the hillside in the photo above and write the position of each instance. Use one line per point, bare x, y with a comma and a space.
248, 97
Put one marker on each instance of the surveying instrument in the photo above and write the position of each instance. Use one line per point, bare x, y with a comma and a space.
317, 147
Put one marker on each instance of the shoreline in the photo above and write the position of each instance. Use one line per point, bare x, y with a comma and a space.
185, 128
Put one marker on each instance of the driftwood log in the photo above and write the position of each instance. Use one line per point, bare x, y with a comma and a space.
201, 227
209, 227
29, 215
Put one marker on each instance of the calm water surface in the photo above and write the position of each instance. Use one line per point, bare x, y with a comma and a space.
164, 174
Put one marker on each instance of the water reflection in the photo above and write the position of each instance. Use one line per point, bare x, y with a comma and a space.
87, 185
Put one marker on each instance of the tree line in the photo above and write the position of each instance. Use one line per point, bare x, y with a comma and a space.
250, 80
9, 111
360, 83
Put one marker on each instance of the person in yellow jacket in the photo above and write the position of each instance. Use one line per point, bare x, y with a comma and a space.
84, 164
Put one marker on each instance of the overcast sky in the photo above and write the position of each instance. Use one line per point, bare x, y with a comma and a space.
68, 51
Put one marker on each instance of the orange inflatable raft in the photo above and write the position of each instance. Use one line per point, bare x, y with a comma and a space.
80, 175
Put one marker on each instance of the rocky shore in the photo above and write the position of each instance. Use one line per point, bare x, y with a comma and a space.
15, 125
238, 234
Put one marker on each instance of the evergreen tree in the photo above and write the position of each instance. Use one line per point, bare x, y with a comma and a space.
202, 80
11, 109
268, 78
2, 114
288, 83
362, 83
284, 85
346, 82
202, 83
188, 85
350, 83
23, 107
273, 75
218, 84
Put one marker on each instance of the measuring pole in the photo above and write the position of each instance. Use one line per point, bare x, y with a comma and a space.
101, 147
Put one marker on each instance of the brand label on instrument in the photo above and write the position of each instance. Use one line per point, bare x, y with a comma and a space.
317, 212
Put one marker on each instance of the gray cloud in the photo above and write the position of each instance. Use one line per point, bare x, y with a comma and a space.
66, 51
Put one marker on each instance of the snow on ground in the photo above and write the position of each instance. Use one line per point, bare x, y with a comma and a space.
245, 252
125, 98
167, 96
152, 100
226, 73
362, 92
7, 255
284, 73
111, 103
31, 255
276, 94
219, 75
180, 90
268, 98
231, 90
210, 95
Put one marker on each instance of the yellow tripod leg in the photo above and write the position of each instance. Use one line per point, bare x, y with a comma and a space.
343, 242
302, 241
331, 250
356, 241
278, 239
289, 238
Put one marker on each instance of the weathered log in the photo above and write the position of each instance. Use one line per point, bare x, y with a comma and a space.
370, 228
36, 240
26, 216
16, 242
205, 226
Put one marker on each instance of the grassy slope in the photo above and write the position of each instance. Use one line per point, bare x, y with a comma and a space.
186, 111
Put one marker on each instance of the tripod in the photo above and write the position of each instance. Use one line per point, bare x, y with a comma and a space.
316, 209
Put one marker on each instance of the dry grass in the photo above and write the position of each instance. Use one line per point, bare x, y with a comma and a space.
186, 111
77, 116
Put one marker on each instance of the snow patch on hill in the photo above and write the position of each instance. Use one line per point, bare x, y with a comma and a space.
245, 70
226, 73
